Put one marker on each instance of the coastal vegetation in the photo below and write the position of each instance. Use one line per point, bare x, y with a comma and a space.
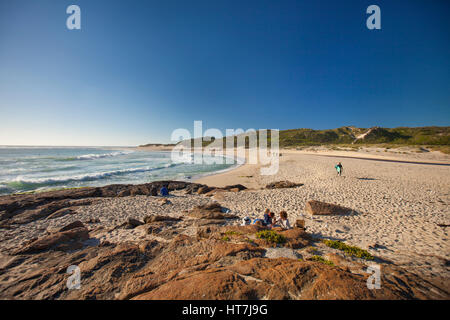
363, 136
434, 138
271, 236
157, 145
350, 250
322, 260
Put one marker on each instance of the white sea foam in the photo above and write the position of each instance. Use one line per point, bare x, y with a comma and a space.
83, 177
104, 155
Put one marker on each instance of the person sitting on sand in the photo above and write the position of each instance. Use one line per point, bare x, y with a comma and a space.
164, 191
339, 169
246, 221
267, 219
283, 222
273, 220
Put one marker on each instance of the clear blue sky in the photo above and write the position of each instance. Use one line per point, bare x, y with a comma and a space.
139, 69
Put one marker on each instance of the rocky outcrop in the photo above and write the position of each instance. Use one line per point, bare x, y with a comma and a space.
133, 223
204, 190
283, 184
259, 278
314, 207
157, 218
163, 201
70, 237
234, 188
210, 211
294, 238
162, 226
210, 191
25, 208
196, 256
209, 267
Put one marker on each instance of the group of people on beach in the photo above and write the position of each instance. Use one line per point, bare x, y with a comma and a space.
269, 220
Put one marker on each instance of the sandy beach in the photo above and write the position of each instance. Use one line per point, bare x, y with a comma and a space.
400, 209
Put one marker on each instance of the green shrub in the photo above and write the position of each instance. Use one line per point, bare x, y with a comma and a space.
225, 238
312, 249
322, 260
271, 236
249, 240
351, 250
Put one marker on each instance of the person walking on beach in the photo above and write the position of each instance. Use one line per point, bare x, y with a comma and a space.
339, 169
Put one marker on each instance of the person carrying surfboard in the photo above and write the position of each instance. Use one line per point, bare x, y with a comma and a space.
339, 169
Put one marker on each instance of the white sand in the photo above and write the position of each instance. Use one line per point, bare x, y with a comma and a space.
399, 205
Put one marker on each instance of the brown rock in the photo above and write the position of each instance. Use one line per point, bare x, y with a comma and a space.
203, 285
163, 201
163, 229
25, 208
146, 246
299, 223
133, 223
124, 193
283, 184
274, 279
213, 192
208, 211
205, 222
235, 188
155, 218
56, 241
296, 238
204, 190
314, 207
73, 225
185, 267
211, 207
207, 215
62, 212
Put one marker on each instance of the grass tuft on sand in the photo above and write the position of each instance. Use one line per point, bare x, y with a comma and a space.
322, 260
351, 250
271, 236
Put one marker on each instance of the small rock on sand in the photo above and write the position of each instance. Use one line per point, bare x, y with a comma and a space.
315, 207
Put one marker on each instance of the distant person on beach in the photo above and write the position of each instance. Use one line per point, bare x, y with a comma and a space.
339, 169
283, 222
164, 191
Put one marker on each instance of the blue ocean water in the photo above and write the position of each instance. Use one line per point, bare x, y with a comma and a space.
43, 168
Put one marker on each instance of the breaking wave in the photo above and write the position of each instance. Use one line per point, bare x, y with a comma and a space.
24, 183
93, 156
